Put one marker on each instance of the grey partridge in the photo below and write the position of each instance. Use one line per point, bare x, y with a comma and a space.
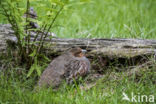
69, 66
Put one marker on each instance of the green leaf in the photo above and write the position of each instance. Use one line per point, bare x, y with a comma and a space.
38, 69
85, 0
33, 53
44, 57
16, 0
49, 13
32, 0
31, 70
35, 67
59, 3
56, 2
51, 10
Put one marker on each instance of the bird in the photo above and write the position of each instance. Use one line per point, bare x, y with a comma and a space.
69, 66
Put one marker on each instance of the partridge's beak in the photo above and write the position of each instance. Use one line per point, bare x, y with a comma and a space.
84, 51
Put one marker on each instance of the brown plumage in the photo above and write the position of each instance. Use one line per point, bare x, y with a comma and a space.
70, 65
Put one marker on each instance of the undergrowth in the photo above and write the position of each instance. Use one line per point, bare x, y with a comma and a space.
15, 87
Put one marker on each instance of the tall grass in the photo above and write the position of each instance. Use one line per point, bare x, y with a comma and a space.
110, 19
108, 90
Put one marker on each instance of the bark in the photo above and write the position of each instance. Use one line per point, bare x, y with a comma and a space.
119, 48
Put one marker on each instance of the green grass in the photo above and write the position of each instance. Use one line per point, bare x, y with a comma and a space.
108, 90
110, 19
97, 19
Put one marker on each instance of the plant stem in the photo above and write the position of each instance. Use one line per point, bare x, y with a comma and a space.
52, 23
27, 38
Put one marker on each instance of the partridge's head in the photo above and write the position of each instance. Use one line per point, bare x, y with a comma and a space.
77, 52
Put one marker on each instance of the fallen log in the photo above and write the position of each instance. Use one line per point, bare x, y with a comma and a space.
101, 52
105, 47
